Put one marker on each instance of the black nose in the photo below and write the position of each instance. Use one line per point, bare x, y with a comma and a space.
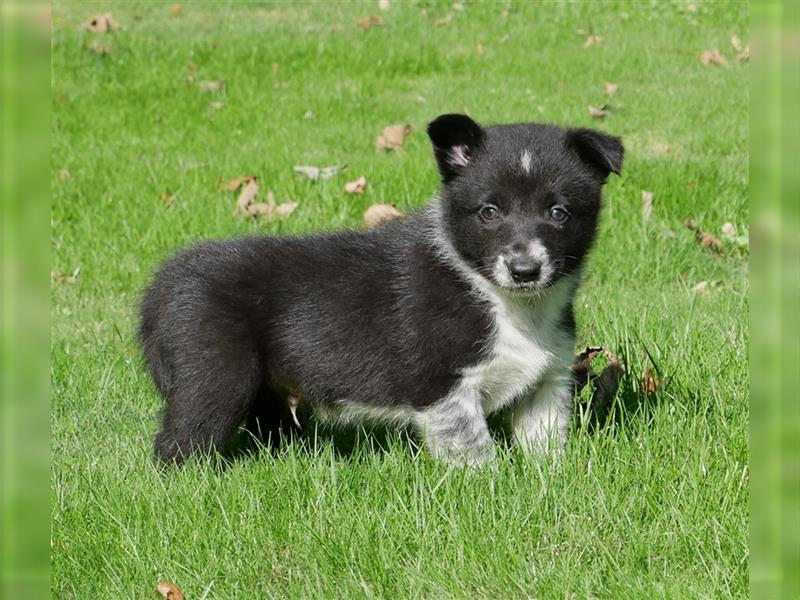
524, 269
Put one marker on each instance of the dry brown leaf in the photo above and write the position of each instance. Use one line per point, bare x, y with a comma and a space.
700, 287
647, 205
610, 88
235, 184
102, 23
99, 47
176, 10
593, 40
316, 173
166, 198
383, 5
356, 187
170, 591
246, 197
690, 224
59, 277
380, 213
63, 174
211, 85
393, 136
736, 42
744, 55
442, 21
649, 385
705, 239
367, 22
479, 49
599, 113
713, 57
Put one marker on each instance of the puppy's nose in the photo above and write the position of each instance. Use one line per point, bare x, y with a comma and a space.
524, 269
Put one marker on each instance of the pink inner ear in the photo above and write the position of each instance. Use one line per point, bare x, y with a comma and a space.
458, 155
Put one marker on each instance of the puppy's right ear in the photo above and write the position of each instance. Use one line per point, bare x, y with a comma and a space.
455, 139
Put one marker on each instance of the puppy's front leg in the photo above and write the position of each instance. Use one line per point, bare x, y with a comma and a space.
541, 419
455, 429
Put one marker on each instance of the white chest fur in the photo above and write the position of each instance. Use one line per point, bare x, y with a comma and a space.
529, 344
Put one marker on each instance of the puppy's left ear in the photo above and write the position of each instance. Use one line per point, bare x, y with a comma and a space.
455, 139
600, 151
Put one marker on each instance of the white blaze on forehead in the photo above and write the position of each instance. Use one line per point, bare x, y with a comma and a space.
525, 161
457, 156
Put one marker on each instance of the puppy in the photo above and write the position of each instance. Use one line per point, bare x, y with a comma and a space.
437, 319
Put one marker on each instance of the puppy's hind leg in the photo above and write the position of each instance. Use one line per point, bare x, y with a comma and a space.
210, 397
455, 429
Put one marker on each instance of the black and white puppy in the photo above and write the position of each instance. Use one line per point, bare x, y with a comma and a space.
437, 319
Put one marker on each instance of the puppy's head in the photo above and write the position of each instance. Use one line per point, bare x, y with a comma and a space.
520, 202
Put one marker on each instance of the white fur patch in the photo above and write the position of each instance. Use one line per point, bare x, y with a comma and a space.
538, 251
525, 161
529, 341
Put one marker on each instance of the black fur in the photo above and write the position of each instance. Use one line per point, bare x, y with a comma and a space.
229, 328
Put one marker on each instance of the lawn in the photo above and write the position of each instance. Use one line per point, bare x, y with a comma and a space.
652, 504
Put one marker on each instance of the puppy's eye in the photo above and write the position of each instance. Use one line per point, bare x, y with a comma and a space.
489, 212
559, 214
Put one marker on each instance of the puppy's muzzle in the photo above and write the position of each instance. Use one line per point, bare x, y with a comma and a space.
524, 269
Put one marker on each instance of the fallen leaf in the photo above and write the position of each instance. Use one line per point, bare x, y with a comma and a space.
744, 55
713, 57
593, 40
380, 213
246, 197
170, 591
649, 385
599, 113
236, 183
280, 85
60, 277
270, 209
166, 198
442, 21
316, 173
367, 22
192, 68
705, 239
383, 5
700, 287
393, 136
582, 372
610, 88
736, 42
216, 105
102, 23
458, 7
99, 47
479, 49
63, 174
647, 205
213, 85
356, 187
690, 224
176, 10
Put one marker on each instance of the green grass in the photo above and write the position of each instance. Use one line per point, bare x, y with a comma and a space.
653, 505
